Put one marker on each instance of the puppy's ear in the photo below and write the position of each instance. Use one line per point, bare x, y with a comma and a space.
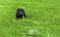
24, 15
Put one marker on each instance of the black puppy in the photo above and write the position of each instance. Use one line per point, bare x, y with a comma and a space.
20, 13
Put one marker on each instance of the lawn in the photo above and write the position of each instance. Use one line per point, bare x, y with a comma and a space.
43, 18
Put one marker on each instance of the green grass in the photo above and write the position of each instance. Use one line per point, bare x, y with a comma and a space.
43, 16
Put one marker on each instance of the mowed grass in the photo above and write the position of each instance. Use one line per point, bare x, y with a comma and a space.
42, 16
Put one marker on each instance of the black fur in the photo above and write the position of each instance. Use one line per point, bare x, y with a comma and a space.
20, 13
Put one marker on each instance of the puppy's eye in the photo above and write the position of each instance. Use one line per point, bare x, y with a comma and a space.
21, 10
